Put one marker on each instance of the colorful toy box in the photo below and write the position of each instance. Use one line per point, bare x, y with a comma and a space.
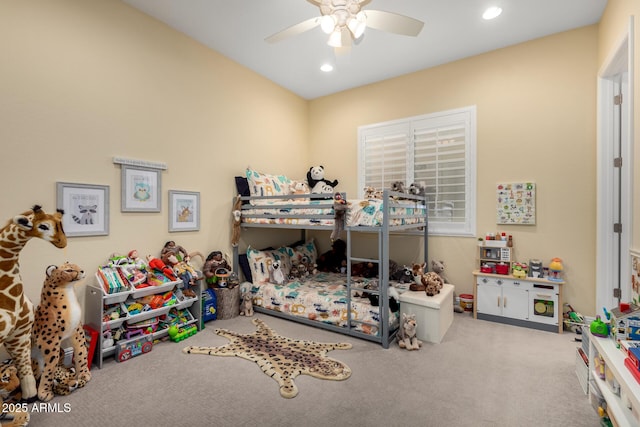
625, 322
125, 350
209, 305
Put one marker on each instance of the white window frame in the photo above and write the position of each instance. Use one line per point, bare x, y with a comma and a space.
407, 125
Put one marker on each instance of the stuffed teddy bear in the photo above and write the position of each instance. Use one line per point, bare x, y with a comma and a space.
277, 272
417, 270
372, 193
432, 283
403, 275
437, 267
416, 189
299, 187
318, 183
246, 304
398, 186
407, 338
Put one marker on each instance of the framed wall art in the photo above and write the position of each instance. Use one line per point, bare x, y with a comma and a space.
184, 211
516, 203
140, 189
86, 208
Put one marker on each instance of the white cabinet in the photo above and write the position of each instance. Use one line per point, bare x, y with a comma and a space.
623, 401
503, 297
529, 302
100, 305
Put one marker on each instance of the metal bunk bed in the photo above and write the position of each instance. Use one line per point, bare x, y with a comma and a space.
419, 221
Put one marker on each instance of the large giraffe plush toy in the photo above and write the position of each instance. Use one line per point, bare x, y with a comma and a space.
16, 311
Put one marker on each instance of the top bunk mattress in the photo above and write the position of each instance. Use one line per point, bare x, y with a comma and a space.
360, 212
278, 200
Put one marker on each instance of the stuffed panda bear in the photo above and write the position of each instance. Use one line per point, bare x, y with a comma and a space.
317, 182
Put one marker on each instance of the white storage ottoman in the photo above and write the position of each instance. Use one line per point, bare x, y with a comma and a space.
433, 314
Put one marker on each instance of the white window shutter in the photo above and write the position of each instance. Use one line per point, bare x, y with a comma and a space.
436, 150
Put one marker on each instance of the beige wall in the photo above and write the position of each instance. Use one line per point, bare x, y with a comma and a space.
536, 121
84, 81
613, 27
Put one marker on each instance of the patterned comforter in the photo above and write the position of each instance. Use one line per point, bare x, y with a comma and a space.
366, 212
323, 298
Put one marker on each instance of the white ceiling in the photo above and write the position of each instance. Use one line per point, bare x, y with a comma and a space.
453, 29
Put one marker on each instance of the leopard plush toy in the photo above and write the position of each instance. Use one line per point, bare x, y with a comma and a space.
10, 393
65, 380
57, 318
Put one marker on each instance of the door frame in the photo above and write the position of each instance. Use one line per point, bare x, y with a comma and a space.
619, 62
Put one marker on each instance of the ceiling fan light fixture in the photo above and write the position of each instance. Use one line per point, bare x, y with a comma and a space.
327, 24
492, 12
335, 39
357, 24
326, 68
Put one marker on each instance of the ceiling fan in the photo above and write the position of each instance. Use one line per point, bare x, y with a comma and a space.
345, 21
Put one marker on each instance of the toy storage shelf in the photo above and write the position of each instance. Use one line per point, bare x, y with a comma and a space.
624, 409
528, 302
97, 300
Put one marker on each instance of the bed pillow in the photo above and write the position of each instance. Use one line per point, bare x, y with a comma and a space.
259, 262
307, 249
262, 184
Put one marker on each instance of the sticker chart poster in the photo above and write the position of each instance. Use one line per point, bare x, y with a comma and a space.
635, 276
516, 203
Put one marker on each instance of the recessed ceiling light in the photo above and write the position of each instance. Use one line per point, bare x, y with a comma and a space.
326, 68
492, 12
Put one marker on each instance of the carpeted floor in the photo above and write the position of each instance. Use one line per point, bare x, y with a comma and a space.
482, 374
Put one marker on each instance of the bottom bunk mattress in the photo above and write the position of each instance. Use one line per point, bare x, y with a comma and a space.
323, 298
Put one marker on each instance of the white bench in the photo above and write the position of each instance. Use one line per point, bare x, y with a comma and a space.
434, 314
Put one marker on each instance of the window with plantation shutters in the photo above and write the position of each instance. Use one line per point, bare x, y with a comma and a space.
436, 151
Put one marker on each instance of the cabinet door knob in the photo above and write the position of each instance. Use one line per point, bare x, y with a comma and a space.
484, 280
499, 282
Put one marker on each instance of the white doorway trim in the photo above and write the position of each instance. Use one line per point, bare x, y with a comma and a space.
616, 74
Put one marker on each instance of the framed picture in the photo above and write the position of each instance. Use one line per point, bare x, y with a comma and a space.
140, 189
86, 208
184, 211
516, 203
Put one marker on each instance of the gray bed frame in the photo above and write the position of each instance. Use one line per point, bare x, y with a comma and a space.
385, 336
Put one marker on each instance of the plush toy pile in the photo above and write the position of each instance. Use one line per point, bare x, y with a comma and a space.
430, 282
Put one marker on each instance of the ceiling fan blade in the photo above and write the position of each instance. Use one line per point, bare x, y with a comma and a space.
294, 30
393, 23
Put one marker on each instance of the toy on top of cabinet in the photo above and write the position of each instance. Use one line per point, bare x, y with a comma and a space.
535, 268
555, 268
519, 270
